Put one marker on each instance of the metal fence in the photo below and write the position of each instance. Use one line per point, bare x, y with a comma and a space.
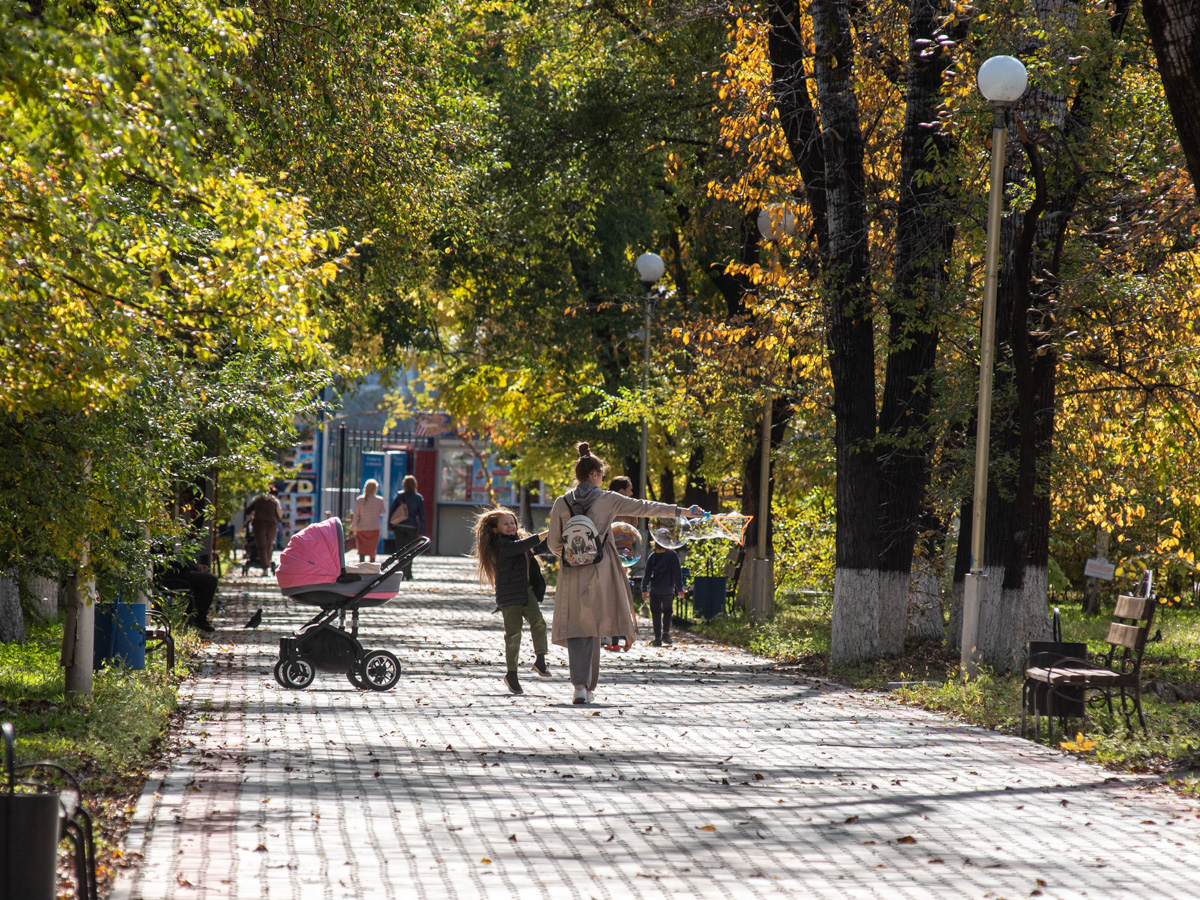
343, 462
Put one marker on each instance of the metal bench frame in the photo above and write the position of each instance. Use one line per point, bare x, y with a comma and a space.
1119, 671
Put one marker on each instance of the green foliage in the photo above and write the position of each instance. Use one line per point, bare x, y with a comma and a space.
803, 542
106, 741
539, 303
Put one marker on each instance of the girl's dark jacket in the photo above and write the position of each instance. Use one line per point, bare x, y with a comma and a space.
517, 571
664, 576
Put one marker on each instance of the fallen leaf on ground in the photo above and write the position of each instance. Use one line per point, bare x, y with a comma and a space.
1079, 745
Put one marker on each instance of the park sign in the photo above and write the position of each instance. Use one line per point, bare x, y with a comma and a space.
1099, 568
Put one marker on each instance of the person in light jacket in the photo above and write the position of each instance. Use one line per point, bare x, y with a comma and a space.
591, 600
367, 520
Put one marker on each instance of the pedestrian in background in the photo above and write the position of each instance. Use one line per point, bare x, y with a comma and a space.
592, 598
266, 515
406, 516
623, 486
506, 557
661, 584
366, 520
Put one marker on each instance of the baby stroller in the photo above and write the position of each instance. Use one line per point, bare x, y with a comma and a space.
312, 572
250, 546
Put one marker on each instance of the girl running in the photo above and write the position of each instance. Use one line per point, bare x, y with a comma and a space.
505, 558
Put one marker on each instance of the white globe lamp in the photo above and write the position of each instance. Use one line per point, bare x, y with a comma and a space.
1002, 79
650, 267
776, 221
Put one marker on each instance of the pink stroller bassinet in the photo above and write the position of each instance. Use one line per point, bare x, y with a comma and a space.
312, 571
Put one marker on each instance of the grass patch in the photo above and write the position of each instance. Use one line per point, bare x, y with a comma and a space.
798, 634
110, 741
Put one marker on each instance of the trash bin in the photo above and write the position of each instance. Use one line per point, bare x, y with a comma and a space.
120, 634
708, 596
29, 833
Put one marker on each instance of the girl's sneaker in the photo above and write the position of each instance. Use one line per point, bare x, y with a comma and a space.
581, 695
666, 640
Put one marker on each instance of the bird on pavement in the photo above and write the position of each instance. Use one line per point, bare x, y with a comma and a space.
255, 620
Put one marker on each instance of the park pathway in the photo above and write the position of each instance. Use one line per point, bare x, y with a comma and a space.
701, 772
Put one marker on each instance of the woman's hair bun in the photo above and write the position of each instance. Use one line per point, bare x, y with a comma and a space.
584, 449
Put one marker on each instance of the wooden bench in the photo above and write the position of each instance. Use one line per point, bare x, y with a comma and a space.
1119, 671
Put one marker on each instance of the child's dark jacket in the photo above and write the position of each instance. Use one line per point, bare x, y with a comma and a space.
663, 576
517, 571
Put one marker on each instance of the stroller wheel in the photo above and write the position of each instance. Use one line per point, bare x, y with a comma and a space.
355, 675
295, 674
381, 670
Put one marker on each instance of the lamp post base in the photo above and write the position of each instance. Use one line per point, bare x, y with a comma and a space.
762, 590
974, 590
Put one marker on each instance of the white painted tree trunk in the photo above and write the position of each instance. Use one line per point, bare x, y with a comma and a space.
855, 635
43, 596
12, 621
994, 619
893, 611
925, 604
1012, 619
954, 625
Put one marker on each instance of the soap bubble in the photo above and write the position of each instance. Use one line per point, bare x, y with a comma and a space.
671, 534
722, 527
628, 543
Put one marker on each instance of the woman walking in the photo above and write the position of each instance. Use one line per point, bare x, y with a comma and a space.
593, 596
407, 518
367, 520
506, 557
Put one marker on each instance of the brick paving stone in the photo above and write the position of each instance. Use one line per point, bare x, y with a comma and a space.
700, 772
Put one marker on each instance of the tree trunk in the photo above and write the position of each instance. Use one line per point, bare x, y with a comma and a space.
12, 621
698, 492
525, 509
781, 416
1091, 590
851, 338
924, 239
79, 634
1175, 35
43, 594
924, 603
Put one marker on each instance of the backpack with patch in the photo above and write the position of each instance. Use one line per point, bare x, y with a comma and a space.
583, 545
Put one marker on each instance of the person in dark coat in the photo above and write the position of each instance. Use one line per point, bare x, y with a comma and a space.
506, 558
266, 515
406, 517
180, 574
661, 584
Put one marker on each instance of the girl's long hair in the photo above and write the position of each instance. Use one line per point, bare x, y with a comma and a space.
486, 528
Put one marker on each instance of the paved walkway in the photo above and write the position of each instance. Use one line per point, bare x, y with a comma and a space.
699, 772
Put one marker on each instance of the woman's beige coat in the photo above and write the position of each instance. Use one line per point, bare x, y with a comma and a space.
590, 601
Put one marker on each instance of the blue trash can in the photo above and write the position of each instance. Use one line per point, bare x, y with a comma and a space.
708, 596
120, 634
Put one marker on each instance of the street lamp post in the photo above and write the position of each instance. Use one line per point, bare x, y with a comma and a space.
650, 268
775, 222
1002, 81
